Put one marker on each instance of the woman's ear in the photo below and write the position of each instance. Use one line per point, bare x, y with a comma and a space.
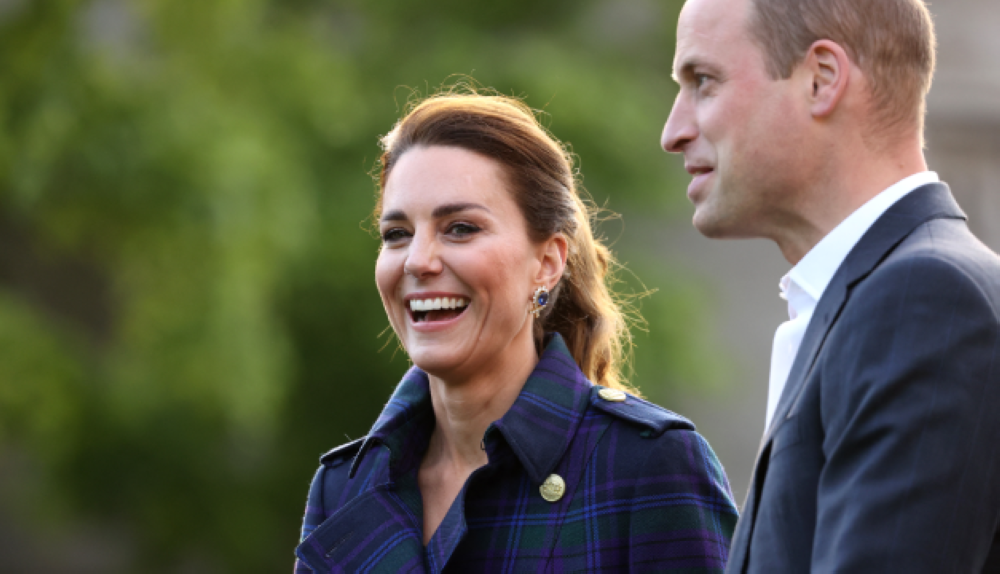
829, 69
553, 253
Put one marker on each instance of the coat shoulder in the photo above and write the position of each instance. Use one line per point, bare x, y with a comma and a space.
341, 454
653, 420
936, 268
950, 243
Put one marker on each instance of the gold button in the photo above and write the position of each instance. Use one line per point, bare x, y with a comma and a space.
612, 395
553, 488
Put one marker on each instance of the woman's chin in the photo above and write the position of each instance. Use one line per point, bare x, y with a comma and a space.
436, 361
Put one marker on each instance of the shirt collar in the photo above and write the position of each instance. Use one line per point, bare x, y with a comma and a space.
804, 285
538, 427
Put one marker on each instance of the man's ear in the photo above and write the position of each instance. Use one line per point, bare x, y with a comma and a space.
553, 252
829, 68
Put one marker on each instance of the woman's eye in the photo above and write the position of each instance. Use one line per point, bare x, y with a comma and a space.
462, 229
393, 235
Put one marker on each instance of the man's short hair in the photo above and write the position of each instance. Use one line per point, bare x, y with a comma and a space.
892, 41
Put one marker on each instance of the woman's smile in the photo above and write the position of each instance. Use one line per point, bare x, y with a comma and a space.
434, 311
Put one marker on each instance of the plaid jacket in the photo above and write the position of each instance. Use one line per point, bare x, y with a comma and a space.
644, 492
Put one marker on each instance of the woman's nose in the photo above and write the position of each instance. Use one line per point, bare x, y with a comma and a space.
422, 257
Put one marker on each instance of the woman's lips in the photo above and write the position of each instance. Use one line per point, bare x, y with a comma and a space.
435, 320
430, 310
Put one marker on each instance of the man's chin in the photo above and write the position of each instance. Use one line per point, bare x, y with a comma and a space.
725, 228
709, 224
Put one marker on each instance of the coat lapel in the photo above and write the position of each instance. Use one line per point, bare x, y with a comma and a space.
928, 202
378, 532
539, 429
375, 532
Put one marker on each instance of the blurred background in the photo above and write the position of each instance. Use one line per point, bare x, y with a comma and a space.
188, 314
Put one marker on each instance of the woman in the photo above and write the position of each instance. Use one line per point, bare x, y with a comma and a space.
512, 444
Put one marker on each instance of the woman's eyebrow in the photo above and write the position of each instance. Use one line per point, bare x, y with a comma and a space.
395, 215
439, 211
450, 208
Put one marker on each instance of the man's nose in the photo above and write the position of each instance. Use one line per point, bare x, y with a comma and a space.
422, 257
681, 128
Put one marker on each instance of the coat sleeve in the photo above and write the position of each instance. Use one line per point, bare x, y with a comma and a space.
682, 515
314, 514
910, 398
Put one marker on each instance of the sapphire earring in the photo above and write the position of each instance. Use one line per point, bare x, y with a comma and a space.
539, 300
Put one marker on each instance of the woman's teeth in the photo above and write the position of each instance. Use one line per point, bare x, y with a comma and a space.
438, 303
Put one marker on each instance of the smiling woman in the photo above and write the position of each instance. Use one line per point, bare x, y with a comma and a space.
512, 444
451, 230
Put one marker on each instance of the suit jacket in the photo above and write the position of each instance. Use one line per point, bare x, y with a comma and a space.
884, 451
643, 491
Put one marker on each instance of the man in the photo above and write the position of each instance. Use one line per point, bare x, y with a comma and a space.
802, 122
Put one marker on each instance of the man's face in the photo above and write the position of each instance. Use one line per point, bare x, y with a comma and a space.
736, 127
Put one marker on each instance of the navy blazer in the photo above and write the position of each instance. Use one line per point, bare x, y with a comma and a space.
884, 452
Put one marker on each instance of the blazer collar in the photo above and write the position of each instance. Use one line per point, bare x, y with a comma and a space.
538, 427
932, 201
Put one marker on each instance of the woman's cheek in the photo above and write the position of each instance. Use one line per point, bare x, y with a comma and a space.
505, 275
387, 275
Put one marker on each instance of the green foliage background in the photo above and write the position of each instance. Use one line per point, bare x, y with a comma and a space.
188, 316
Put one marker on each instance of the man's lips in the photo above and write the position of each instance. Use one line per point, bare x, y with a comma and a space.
700, 173
698, 169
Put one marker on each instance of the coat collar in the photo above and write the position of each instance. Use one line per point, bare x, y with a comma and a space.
538, 427
543, 420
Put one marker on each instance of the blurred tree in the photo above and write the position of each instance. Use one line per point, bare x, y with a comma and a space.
188, 314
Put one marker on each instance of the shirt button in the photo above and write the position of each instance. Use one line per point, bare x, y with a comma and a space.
553, 488
612, 395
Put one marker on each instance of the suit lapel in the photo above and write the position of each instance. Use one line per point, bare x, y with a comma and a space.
928, 202
923, 204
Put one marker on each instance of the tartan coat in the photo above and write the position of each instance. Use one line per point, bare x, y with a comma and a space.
644, 492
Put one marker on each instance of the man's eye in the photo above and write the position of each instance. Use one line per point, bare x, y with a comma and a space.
462, 229
700, 80
393, 235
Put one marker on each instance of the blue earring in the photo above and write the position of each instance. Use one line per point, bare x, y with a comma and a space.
539, 300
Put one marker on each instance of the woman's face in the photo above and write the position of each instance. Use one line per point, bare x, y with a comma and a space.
457, 268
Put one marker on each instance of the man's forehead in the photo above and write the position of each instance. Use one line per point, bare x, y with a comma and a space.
707, 26
721, 18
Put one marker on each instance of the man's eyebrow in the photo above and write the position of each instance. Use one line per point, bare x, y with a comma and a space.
439, 211
688, 67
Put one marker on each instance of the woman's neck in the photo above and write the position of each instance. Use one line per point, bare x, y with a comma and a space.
465, 408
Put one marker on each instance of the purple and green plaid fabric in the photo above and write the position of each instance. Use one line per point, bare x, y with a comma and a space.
644, 492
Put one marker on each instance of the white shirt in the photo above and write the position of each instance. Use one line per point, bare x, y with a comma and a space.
804, 285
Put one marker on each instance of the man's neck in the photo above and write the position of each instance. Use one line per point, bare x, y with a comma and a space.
844, 187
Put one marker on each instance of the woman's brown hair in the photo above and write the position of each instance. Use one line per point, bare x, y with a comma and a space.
541, 177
